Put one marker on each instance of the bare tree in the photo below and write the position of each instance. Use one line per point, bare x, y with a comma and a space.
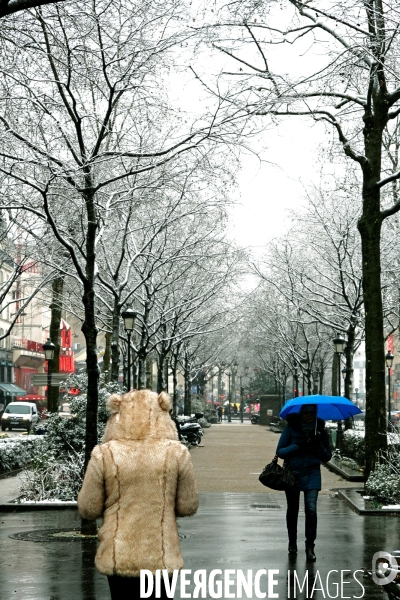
354, 89
9, 7
79, 124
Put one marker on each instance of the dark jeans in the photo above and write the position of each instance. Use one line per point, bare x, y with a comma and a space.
292, 513
128, 588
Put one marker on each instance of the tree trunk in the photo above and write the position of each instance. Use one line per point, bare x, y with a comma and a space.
53, 365
188, 402
369, 226
321, 380
161, 382
375, 415
115, 342
348, 382
149, 373
142, 371
175, 383
107, 357
89, 330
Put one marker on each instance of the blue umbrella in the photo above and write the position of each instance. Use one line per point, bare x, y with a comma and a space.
328, 407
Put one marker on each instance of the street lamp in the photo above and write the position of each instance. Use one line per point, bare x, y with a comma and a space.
229, 397
129, 317
246, 373
389, 363
48, 349
339, 343
234, 373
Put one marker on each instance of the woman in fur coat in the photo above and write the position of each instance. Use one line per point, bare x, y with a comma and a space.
139, 480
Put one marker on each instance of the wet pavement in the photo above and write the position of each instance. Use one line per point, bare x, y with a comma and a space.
233, 530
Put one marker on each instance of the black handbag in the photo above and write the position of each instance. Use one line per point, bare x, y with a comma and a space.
276, 477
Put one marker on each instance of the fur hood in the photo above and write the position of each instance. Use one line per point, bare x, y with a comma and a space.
139, 480
139, 415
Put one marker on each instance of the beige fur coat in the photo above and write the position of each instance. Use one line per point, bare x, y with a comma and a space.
139, 480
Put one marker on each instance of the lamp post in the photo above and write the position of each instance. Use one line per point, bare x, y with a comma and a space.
212, 387
48, 349
229, 397
344, 371
221, 370
246, 373
389, 363
339, 343
234, 373
129, 317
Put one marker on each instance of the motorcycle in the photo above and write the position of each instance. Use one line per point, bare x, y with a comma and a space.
189, 429
255, 418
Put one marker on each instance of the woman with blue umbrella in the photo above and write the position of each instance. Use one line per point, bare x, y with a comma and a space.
303, 445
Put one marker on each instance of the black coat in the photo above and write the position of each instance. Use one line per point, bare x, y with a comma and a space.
304, 452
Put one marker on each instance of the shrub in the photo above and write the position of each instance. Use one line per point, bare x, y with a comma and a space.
58, 472
346, 462
353, 445
383, 485
50, 479
16, 453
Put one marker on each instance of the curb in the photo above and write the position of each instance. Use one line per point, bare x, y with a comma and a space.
348, 474
7, 474
353, 498
27, 506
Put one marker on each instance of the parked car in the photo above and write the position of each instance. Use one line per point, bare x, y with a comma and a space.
65, 410
19, 414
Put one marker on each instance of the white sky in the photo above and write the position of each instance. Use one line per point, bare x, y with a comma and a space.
265, 192
269, 191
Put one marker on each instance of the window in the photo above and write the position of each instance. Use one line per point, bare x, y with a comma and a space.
18, 409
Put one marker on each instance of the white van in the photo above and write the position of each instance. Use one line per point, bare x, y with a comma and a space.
19, 414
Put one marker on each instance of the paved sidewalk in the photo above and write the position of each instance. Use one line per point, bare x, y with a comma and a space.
239, 526
9, 488
234, 454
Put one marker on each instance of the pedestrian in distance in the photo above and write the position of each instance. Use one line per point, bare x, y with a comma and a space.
219, 412
138, 480
303, 445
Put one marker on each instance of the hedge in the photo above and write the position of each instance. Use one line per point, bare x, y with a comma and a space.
16, 453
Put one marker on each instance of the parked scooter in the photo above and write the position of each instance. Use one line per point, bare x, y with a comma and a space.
255, 418
190, 430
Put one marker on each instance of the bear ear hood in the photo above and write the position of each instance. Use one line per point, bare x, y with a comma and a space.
139, 415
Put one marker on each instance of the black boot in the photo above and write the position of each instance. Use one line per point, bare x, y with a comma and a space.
310, 555
292, 548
